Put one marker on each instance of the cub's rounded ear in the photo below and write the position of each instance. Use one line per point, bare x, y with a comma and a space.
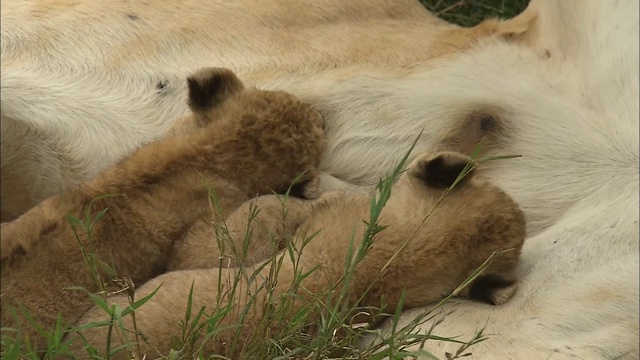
442, 170
209, 87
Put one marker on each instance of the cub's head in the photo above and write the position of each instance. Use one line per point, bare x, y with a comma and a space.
481, 219
271, 136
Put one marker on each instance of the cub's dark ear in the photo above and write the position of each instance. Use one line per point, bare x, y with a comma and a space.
443, 169
209, 87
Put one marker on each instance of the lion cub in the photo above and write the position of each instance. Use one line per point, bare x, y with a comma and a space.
428, 259
237, 143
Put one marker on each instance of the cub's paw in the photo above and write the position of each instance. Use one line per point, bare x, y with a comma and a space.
441, 170
10, 244
492, 289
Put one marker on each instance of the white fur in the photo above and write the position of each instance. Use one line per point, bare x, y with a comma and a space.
573, 117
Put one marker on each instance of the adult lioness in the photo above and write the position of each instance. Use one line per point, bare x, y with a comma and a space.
117, 72
563, 93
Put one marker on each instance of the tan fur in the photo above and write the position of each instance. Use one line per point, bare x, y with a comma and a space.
248, 142
475, 220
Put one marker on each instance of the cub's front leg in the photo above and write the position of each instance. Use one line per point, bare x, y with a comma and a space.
255, 231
